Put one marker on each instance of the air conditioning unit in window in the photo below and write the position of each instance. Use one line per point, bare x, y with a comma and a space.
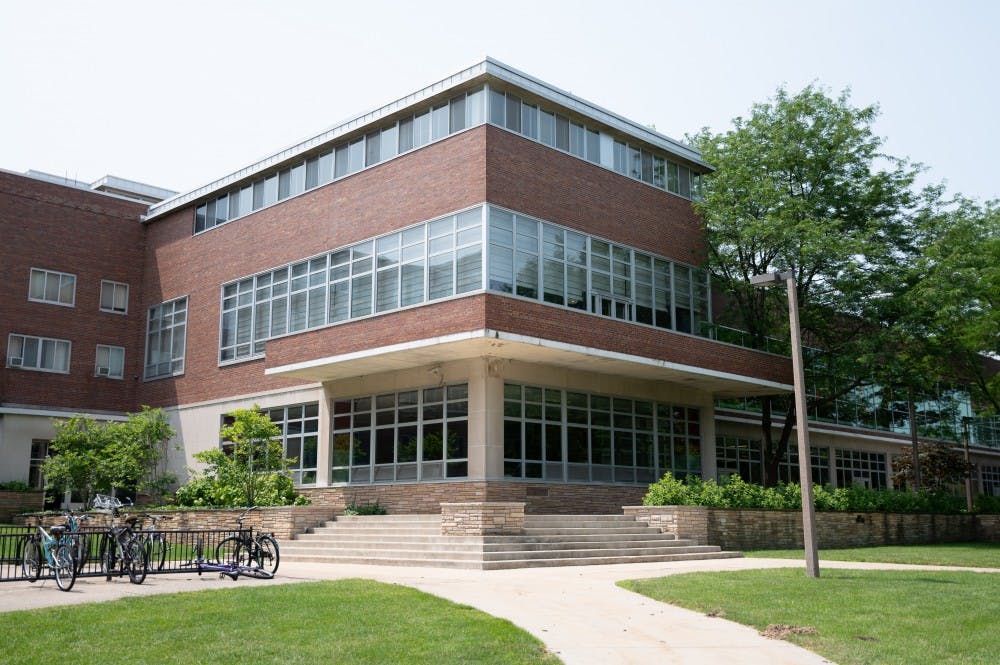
103, 371
14, 362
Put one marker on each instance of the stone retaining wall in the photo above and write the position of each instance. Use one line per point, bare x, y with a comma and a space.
426, 498
14, 503
482, 518
780, 529
282, 521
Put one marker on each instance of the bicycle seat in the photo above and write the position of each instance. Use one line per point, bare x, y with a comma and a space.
57, 530
131, 520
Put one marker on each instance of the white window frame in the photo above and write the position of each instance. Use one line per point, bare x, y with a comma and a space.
173, 329
46, 274
114, 288
98, 367
19, 364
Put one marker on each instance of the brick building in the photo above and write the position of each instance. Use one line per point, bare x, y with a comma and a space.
489, 289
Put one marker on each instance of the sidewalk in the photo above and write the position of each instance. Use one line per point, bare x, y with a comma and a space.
577, 611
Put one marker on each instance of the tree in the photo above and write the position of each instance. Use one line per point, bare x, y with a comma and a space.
90, 456
801, 185
953, 306
252, 471
941, 466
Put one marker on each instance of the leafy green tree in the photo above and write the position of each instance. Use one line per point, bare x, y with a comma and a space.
253, 471
90, 456
941, 467
801, 184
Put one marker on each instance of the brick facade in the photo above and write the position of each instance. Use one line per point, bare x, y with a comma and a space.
98, 237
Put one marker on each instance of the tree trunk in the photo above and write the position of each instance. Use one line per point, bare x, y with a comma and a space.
773, 452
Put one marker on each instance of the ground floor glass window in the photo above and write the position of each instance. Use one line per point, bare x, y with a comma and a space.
567, 436
413, 435
860, 467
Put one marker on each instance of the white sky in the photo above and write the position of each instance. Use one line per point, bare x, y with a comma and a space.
179, 93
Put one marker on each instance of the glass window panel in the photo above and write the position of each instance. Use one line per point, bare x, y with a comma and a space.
388, 142
577, 144
373, 152
298, 177
312, 173
498, 105
456, 107
387, 290
547, 128
421, 129
513, 115
562, 133
356, 155
468, 269
271, 190
361, 295
405, 134
343, 161
529, 121
439, 122
440, 276
474, 102
412, 283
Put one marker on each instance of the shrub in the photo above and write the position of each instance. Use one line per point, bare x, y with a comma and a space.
734, 492
16, 486
374, 508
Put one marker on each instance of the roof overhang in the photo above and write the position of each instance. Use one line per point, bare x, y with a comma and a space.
500, 345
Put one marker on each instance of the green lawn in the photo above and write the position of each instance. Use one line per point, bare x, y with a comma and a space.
347, 621
860, 616
973, 555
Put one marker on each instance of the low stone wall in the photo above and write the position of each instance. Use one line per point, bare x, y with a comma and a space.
282, 521
426, 498
780, 529
14, 502
482, 518
988, 528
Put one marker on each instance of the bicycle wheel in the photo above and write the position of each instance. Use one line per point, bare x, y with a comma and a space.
135, 561
64, 566
156, 551
108, 556
31, 560
81, 551
230, 550
266, 554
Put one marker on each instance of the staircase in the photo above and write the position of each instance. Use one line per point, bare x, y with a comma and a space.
548, 540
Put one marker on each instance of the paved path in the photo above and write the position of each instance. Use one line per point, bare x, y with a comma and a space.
576, 610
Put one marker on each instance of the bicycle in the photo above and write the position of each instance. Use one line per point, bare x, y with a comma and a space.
53, 550
247, 549
230, 569
121, 551
154, 541
81, 541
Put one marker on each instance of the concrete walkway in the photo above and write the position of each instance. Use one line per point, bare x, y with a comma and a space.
577, 611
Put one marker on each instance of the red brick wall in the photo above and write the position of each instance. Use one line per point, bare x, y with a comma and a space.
429, 182
95, 237
535, 179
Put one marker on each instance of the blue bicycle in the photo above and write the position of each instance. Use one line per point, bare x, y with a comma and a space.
53, 550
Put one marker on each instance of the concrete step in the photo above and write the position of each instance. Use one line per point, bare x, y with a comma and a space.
569, 531
572, 553
598, 561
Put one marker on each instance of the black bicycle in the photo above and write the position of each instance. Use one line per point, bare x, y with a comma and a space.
154, 541
122, 553
249, 550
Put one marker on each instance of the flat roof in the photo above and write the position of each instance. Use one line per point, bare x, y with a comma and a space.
488, 67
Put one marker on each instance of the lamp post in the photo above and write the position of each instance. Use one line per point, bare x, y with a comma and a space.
802, 428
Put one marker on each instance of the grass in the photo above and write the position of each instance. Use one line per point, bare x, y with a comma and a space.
346, 621
973, 555
860, 616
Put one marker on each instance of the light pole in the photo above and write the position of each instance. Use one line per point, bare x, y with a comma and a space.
801, 425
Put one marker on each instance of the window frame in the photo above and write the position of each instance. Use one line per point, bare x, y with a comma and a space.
172, 327
114, 288
38, 353
111, 348
46, 273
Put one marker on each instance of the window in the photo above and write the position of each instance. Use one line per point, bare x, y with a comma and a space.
166, 333
437, 259
593, 275
39, 451
110, 361
420, 435
571, 436
38, 353
114, 297
56, 288
299, 435
859, 467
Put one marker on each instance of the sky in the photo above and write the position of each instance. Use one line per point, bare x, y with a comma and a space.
178, 94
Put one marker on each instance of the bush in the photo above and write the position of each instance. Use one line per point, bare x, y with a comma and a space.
16, 486
737, 493
374, 508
